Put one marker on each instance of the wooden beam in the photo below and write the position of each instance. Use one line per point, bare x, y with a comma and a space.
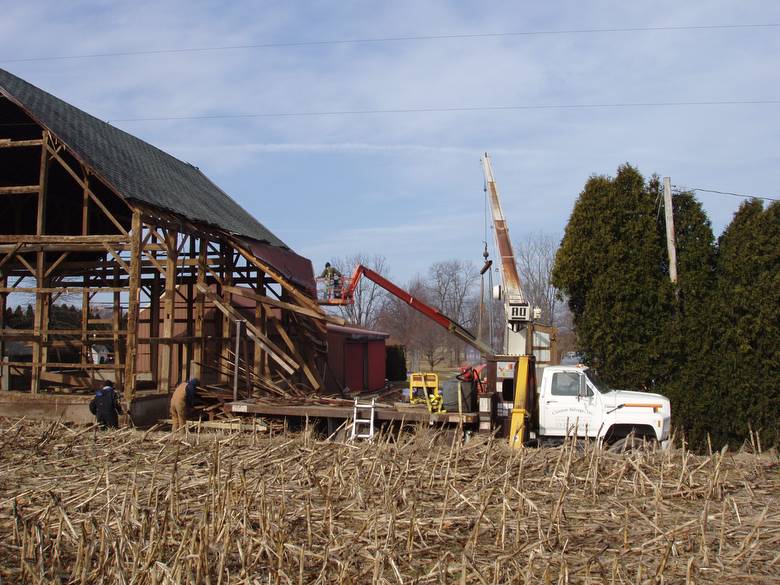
132, 309
7, 143
64, 365
29, 334
81, 381
83, 184
27, 265
154, 262
20, 190
5, 379
85, 207
63, 289
247, 293
313, 380
200, 309
190, 327
10, 255
154, 323
286, 362
38, 318
226, 363
118, 259
56, 263
116, 314
169, 306
299, 297
107, 213
61, 239
85, 297
260, 360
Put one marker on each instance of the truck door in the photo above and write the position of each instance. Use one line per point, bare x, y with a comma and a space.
568, 404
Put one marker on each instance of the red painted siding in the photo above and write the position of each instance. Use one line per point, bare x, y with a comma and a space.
377, 361
355, 365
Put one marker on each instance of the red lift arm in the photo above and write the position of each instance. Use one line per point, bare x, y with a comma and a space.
456, 329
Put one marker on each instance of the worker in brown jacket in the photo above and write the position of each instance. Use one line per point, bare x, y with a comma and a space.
182, 401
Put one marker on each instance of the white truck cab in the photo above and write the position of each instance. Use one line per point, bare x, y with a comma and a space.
572, 399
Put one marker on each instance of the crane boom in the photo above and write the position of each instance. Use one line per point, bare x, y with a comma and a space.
518, 311
509, 275
435, 315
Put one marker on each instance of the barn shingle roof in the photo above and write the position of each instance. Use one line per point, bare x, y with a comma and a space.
135, 169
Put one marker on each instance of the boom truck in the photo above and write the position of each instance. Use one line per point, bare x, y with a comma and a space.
567, 400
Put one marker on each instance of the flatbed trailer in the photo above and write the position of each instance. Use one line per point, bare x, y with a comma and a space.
381, 413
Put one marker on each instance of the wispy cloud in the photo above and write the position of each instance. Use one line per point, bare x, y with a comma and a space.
410, 185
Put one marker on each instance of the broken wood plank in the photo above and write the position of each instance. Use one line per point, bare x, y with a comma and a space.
286, 362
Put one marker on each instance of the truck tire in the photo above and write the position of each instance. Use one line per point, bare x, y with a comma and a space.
632, 443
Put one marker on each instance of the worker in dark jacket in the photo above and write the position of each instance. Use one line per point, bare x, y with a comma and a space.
105, 406
332, 279
182, 401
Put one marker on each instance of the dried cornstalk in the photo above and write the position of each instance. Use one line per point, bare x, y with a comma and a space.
132, 506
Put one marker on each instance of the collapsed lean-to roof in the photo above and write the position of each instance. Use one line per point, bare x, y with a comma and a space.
134, 169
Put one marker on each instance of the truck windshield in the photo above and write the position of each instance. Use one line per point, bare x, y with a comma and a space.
600, 384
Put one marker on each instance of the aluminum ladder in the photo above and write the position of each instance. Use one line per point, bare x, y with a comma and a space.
360, 411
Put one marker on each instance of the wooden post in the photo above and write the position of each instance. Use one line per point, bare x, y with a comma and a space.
200, 305
85, 322
187, 361
227, 279
45, 319
261, 321
237, 353
154, 320
116, 323
40, 229
5, 378
671, 244
85, 208
132, 308
169, 311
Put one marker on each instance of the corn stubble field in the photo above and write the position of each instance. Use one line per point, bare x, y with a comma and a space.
83, 506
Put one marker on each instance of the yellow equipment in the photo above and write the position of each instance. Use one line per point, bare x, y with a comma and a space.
424, 389
525, 395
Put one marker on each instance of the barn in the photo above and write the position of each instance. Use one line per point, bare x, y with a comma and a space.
155, 256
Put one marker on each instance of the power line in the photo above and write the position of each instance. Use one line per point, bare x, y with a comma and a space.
727, 193
451, 109
292, 44
455, 109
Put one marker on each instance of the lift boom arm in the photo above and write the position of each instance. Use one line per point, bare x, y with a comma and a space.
453, 327
518, 310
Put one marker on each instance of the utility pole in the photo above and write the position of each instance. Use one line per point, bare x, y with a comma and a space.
671, 244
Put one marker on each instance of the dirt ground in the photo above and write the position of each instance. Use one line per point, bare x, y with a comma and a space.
78, 505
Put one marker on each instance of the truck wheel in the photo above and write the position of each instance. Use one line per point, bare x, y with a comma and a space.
632, 443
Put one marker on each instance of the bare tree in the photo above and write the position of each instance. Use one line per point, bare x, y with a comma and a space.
535, 256
452, 286
369, 297
423, 338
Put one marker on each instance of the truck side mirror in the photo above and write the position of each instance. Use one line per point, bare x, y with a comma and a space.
583, 389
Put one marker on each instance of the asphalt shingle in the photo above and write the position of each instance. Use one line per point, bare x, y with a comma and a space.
135, 169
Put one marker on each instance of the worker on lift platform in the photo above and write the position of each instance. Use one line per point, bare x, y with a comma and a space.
332, 278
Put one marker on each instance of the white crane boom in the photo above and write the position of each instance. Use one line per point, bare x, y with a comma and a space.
518, 311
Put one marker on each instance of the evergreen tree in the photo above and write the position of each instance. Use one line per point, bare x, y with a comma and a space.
611, 267
748, 360
631, 322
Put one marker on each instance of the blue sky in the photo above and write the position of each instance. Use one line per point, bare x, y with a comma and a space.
409, 186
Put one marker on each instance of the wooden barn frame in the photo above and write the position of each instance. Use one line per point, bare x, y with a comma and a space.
92, 213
